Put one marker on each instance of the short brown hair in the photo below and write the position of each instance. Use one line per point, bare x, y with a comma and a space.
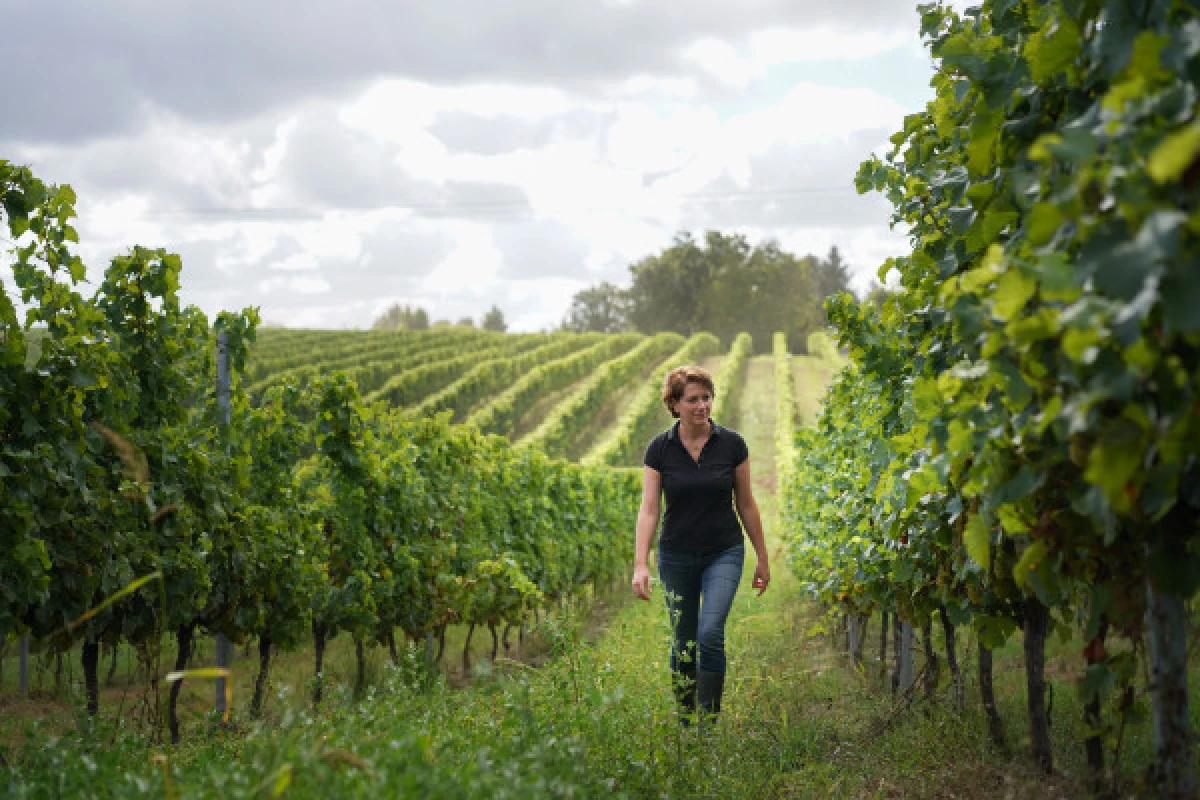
675, 384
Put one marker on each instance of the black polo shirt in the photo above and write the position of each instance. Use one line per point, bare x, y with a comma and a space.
700, 515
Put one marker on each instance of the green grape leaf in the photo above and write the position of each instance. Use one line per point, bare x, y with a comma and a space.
1013, 518
1114, 460
978, 540
1013, 291
1079, 344
1056, 278
985, 129
1052, 49
994, 630
996, 221
1174, 154
76, 269
1028, 562
1180, 298
1042, 223
1146, 61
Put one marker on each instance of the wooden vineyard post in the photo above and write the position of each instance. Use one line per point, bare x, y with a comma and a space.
1037, 620
905, 674
948, 628
883, 640
857, 635
224, 646
933, 669
24, 666
988, 695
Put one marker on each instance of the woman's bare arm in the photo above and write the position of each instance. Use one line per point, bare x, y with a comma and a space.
743, 495
647, 522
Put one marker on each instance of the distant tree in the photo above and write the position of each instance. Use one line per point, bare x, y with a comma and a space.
833, 277
400, 317
465, 322
876, 293
725, 286
603, 308
493, 320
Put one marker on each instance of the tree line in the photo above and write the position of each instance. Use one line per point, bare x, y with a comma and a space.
720, 283
414, 318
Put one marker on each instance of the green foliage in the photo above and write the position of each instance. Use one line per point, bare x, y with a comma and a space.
821, 345
370, 356
1022, 420
725, 286
729, 380
279, 574
406, 318
785, 409
493, 320
568, 420
425, 377
44, 445
501, 414
308, 508
877, 293
603, 308
489, 377
832, 276
498, 591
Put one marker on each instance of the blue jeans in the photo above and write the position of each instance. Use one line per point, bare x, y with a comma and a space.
699, 591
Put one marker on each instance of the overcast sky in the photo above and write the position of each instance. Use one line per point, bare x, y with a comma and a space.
324, 160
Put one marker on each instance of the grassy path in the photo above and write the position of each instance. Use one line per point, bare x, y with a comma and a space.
798, 721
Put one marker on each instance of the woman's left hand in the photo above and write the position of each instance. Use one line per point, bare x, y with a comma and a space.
762, 576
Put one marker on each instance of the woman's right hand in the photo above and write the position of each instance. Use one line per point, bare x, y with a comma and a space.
641, 582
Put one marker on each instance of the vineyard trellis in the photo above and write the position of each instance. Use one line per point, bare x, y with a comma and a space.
140, 500
1017, 445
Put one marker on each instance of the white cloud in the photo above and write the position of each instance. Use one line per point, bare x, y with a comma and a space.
647, 140
274, 154
721, 61
782, 45
471, 267
297, 262
812, 113
737, 66
642, 85
297, 285
539, 305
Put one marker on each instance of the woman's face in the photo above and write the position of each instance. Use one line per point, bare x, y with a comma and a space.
695, 405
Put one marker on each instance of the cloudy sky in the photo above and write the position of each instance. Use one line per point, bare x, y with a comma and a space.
324, 160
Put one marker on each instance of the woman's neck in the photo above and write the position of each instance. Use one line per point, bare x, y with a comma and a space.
693, 432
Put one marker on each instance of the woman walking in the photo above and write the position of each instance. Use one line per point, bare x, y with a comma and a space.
703, 469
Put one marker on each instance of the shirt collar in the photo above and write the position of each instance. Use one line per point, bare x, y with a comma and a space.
673, 433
